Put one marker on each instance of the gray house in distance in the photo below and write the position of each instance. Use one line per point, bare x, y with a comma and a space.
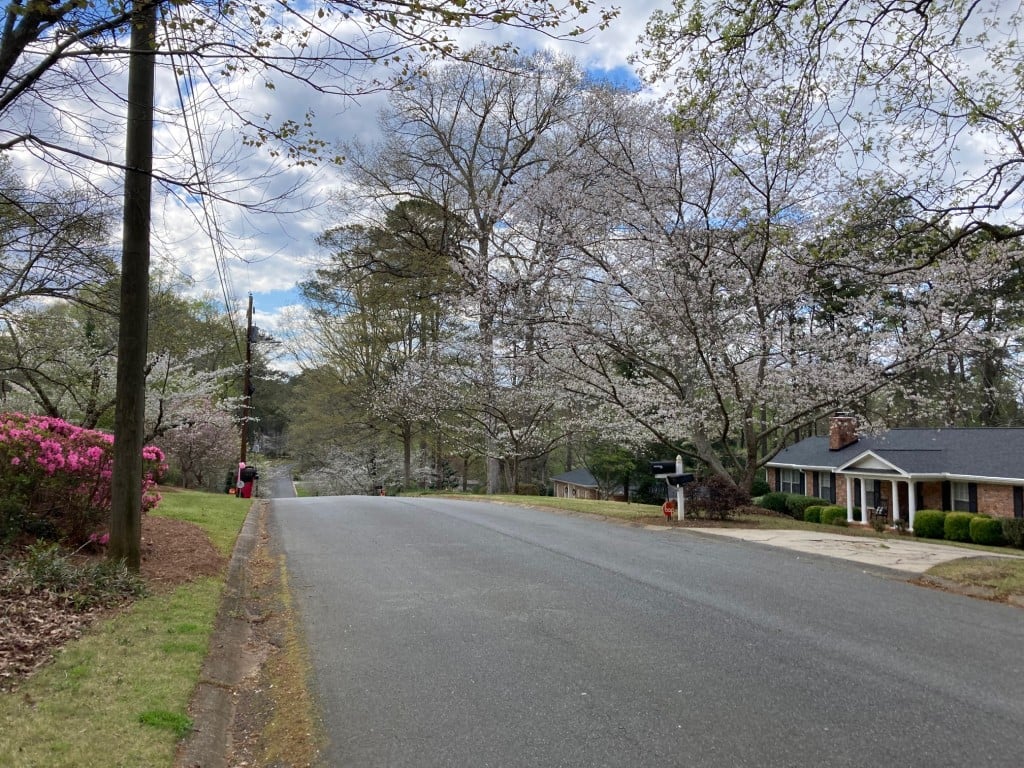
576, 484
904, 470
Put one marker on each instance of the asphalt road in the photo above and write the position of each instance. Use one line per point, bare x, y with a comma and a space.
471, 634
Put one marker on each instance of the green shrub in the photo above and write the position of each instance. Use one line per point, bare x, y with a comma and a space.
812, 514
957, 526
796, 504
45, 569
986, 530
1013, 531
760, 488
831, 513
930, 524
775, 501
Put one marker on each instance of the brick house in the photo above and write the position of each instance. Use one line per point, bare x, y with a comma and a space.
904, 470
580, 484
575, 484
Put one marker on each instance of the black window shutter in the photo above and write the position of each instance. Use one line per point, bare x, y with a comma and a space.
919, 491
803, 482
815, 487
947, 495
877, 493
972, 497
1018, 501
832, 489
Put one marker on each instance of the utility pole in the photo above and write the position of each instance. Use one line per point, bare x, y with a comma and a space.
133, 320
247, 382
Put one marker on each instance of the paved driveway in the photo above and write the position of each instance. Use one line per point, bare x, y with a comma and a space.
909, 556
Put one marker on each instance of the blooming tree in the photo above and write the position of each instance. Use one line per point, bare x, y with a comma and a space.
731, 299
202, 444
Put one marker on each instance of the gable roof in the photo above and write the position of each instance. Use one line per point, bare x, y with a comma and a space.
580, 476
995, 453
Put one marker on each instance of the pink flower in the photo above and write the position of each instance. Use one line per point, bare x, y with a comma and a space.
15, 461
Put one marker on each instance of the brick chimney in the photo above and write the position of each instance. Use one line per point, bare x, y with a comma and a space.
842, 431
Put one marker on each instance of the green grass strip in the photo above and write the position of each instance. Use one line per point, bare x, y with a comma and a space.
119, 695
85, 708
219, 514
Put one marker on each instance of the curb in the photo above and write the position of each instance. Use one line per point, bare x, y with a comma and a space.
224, 666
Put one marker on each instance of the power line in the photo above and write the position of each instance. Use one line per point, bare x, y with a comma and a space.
200, 162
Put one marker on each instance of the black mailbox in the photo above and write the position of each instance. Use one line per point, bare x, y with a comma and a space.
663, 467
677, 481
249, 474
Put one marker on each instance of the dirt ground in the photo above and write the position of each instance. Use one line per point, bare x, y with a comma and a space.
34, 626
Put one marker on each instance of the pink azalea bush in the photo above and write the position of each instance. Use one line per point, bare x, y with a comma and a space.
55, 477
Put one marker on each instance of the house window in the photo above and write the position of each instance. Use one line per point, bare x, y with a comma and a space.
826, 486
961, 497
789, 480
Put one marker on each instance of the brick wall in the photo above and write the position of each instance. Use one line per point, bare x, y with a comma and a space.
995, 500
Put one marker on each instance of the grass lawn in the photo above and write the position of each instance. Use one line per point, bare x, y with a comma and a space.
1003, 575
615, 509
119, 695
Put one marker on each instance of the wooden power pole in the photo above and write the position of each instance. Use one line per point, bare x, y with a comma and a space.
247, 382
133, 325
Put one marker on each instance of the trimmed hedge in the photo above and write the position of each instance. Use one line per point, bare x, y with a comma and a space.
930, 524
812, 514
957, 526
831, 513
760, 488
985, 530
1013, 531
796, 504
775, 501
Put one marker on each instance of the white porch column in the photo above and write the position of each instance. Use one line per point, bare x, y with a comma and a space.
912, 503
895, 501
849, 499
863, 501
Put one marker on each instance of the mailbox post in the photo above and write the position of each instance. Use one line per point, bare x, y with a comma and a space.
673, 474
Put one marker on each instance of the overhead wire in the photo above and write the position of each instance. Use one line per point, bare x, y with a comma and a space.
200, 162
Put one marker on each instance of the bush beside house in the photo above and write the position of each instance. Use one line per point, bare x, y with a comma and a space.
986, 530
776, 502
831, 513
957, 526
813, 514
1013, 532
796, 504
930, 524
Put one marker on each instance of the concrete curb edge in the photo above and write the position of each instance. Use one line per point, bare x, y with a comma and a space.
225, 667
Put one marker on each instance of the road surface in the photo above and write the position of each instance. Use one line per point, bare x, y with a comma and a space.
450, 633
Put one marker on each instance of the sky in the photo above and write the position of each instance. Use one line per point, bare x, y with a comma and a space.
268, 253
258, 233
